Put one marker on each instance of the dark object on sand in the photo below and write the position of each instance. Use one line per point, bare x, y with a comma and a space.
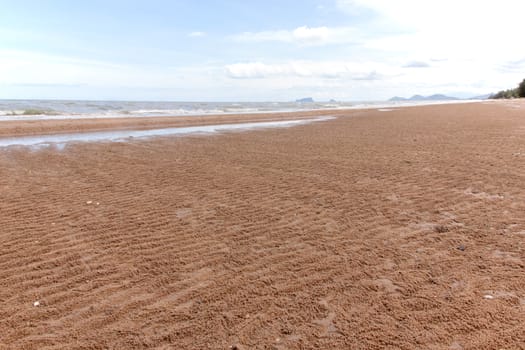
441, 229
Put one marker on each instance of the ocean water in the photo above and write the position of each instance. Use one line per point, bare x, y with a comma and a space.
66, 109
57, 109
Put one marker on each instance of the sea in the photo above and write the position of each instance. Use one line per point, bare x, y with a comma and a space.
74, 109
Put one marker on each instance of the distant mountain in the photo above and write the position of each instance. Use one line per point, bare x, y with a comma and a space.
437, 97
481, 97
440, 97
397, 98
305, 100
417, 98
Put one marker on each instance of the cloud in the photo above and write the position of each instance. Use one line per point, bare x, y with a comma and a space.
465, 20
196, 34
33, 69
28, 67
45, 85
517, 66
458, 46
303, 36
417, 64
351, 7
310, 69
369, 76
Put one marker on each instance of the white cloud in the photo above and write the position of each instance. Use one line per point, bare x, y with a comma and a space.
35, 68
417, 64
374, 79
312, 69
459, 28
460, 44
38, 68
517, 66
303, 35
197, 34
476, 42
440, 15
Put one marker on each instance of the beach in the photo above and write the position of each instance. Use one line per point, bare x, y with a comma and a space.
399, 228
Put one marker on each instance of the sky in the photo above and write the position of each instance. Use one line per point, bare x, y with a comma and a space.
271, 50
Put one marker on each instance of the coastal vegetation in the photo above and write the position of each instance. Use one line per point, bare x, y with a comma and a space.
511, 93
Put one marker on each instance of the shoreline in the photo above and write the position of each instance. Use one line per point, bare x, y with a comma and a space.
63, 126
34, 127
61, 140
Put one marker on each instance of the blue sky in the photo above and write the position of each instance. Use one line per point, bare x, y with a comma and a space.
258, 50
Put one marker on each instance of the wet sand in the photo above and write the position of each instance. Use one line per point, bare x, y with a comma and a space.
61, 126
400, 229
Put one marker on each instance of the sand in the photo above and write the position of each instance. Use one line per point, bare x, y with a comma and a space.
399, 229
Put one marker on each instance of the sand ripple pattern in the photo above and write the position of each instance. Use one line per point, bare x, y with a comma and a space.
372, 231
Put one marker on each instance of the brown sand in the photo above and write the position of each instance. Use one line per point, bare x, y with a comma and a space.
396, 230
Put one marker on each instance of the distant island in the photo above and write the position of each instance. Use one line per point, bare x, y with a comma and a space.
511, 93
437, 97
305, 100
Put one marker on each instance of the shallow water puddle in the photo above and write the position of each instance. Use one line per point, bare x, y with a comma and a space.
59, 140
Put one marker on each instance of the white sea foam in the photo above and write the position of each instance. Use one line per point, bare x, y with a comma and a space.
172, 112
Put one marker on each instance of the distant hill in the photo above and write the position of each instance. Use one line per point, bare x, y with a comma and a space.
397, 98
437, 97
305, 100
481, 97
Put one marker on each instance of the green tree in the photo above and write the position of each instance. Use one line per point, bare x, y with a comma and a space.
511, 93
521, 89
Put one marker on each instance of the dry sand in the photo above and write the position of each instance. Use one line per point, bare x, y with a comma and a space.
402, 229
